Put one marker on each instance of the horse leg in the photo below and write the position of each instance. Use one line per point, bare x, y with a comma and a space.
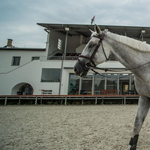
143, 108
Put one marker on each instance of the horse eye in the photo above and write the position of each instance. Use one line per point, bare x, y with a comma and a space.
91, 46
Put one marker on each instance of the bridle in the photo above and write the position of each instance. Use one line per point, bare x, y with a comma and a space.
91, 63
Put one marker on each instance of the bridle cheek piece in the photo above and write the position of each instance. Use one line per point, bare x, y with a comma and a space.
91, 63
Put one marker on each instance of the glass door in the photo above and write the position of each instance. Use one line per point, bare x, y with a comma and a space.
125, 87
86, 85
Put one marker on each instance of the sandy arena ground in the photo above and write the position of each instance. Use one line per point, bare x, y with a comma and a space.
106, 127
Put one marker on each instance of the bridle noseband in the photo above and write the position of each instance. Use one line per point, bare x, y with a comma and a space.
91, 63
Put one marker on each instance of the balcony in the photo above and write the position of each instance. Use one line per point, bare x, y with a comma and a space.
74, 56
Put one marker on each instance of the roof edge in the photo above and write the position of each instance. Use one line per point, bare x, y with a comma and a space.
22, 49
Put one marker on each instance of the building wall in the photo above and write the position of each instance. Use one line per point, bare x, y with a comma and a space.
29, 72
13, 77
6, 58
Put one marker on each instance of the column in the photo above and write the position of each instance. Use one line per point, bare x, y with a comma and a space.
130, 79
80, 85
118, 83
93, 84
105, 82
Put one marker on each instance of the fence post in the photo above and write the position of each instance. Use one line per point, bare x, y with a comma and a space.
65, 100
61, 100
102, 100
41, 101
19, 100
36, 100
124, 100
96, 100
5, 101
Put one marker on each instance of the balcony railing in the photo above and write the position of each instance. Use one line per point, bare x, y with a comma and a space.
74, 56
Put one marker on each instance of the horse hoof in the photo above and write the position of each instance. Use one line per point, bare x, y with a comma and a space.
133, 147
133, 142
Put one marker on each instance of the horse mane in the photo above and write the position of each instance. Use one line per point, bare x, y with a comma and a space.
135, 44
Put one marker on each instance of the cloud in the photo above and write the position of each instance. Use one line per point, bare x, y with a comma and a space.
18, 18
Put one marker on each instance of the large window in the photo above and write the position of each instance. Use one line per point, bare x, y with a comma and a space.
112, 81
99, 83
73, 85
122, 83
132, 82
86, 87
50, 75
16, 61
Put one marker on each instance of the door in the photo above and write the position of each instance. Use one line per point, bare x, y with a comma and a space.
125, 87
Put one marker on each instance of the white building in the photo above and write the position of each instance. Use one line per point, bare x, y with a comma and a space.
33, 70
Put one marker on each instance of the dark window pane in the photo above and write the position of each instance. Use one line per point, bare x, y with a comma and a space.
35, 58
16, 61
50, 75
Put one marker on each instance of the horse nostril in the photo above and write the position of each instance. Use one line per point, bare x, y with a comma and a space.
88, 65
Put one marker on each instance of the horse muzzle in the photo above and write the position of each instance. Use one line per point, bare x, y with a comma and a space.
80, 69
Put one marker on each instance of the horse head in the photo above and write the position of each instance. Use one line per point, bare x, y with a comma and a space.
93, 54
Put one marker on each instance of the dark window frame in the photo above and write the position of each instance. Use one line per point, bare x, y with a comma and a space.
16, 61
35, 58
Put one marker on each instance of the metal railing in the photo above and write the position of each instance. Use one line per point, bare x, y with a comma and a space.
67, 99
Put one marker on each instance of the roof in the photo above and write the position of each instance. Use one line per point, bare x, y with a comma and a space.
83, 29
22, 49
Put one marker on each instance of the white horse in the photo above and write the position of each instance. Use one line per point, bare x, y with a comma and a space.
133, 54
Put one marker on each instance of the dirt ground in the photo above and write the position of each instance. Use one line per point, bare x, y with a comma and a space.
103, 127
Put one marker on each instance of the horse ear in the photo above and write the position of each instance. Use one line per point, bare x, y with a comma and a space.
91, 31
97, 29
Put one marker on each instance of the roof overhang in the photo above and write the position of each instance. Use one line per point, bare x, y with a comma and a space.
83, 29
22, 49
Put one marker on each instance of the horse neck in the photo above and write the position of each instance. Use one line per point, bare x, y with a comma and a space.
128, 56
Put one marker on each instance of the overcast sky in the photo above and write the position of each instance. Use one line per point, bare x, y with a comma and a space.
19, 18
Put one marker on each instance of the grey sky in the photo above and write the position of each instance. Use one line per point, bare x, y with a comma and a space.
19, 18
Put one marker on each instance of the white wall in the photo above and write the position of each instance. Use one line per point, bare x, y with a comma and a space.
31, 74
6, 58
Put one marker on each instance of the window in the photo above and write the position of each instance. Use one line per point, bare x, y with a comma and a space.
50, 75
16, 61
73, 85
35, 58
86, 87
99, 83
59, 44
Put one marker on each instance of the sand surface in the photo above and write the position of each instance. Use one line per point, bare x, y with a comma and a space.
106, 127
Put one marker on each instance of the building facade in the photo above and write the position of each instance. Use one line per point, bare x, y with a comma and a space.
34, 71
